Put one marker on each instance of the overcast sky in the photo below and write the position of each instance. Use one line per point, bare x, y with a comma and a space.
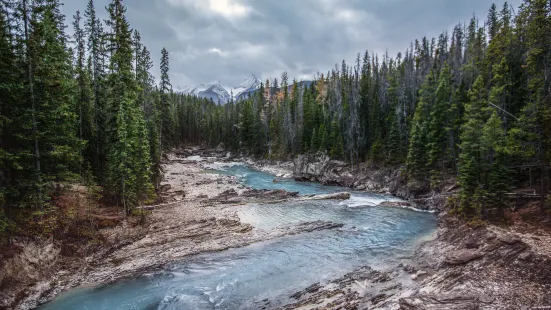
228, 40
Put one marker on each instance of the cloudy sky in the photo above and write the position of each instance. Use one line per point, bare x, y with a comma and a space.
228, 40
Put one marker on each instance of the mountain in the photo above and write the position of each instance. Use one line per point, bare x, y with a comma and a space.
246, 87
219, 93
214, 91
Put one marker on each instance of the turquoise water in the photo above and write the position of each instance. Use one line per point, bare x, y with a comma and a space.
242, 278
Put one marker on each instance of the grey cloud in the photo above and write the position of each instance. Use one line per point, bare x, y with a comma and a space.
301, 37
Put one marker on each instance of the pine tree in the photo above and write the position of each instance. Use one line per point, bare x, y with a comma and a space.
322, 132
394, 150
54, 96
337, 146
247, 125
438, 136
128, 149
493, 147
492, 21
419, 137
470, 160
10, 148
84, 107
165, 87
365, 113
96, 50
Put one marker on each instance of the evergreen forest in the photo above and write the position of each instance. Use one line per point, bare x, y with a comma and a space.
472, 106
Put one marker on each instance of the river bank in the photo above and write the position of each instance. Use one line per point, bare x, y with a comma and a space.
464, 267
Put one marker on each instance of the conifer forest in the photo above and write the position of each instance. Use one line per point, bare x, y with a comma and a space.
471, 106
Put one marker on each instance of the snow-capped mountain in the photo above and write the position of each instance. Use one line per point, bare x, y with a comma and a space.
214, 91
246, 87
219, 93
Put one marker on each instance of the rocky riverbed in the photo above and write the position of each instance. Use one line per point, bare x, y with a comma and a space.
197, 214
465, 267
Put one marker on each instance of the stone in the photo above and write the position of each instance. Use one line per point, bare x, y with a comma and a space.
471, 244
336, 196
525, 256
439, 302
409, 269
418, 274
508, 239
378, 298
462, 257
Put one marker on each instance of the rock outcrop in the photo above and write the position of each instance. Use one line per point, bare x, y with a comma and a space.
486, 267
320, 168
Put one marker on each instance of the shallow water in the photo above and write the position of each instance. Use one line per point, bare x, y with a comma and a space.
242, 278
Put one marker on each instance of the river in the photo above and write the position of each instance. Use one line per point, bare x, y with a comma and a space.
243, 278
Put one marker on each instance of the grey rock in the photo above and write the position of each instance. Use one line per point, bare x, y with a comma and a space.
509, 239
525, 256
462, 257
471, 244
440, 302
409, 269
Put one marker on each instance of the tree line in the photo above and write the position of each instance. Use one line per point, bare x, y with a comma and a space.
473, 105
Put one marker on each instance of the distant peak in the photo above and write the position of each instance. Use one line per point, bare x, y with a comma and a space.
249, 82
218, 92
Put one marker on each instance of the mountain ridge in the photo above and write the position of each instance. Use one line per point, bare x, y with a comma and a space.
224, 94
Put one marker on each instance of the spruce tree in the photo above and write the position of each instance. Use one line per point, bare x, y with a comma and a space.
128, 161
97, 53
437, 135
470, 160
11, 166
493, 147
84, 106
165, 88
